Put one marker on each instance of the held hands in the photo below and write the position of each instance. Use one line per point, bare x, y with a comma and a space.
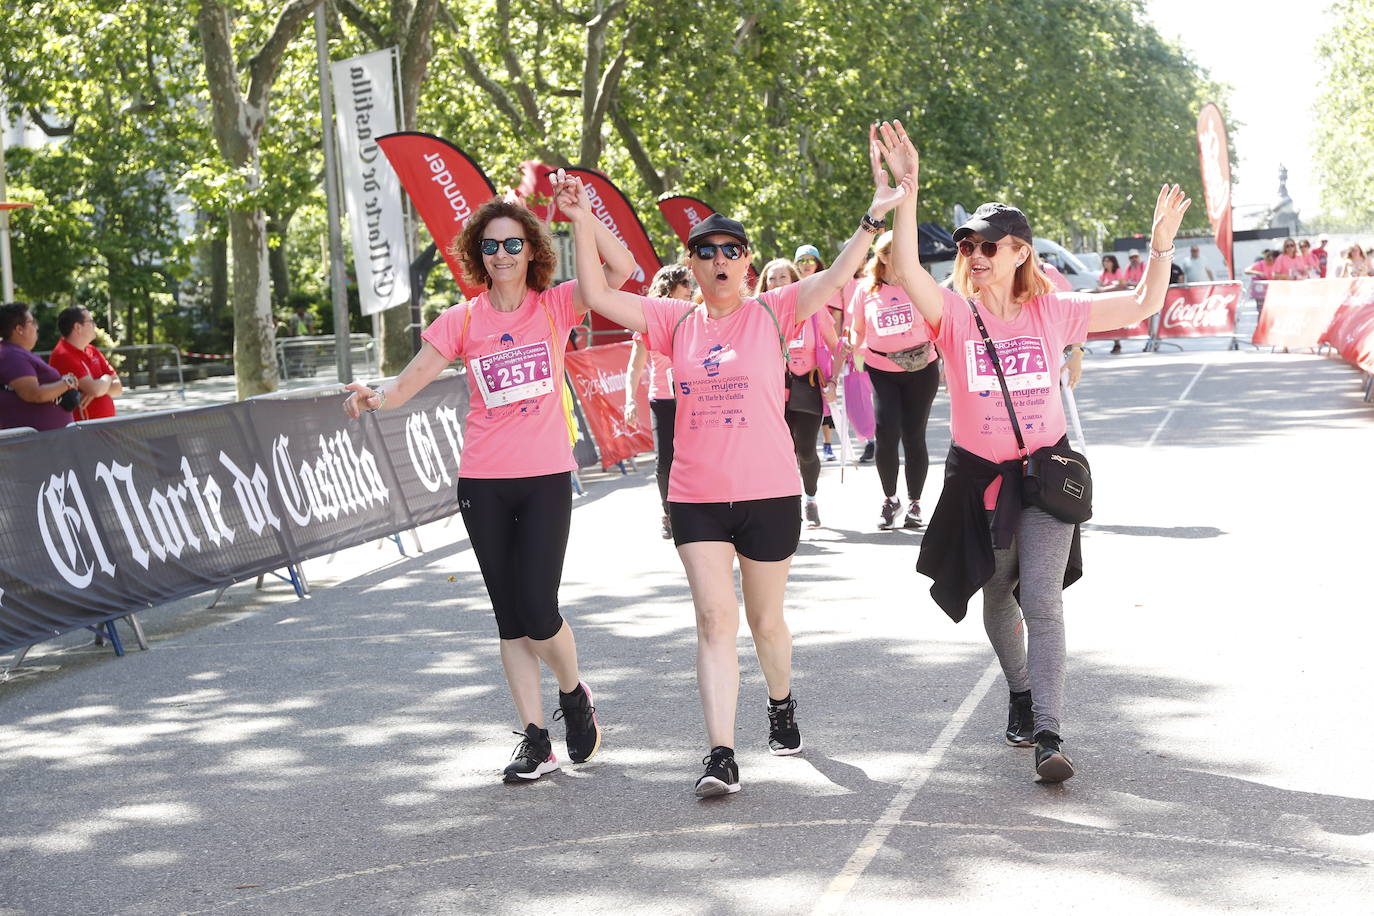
361, 398
1169, 209
631, 413
571, 196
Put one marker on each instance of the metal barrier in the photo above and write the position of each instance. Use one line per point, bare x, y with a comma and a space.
300, 357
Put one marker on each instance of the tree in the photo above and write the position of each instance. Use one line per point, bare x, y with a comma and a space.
238, 119
1345, 120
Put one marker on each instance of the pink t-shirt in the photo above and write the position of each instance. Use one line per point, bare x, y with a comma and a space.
1109, 277
730, 441
515, 424
807, 340
1132, 273
886, 320
1060, 281
1032, 352
660, 379
1292, 268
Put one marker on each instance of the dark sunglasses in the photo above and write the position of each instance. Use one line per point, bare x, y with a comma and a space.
707, 251
512, 246
989, 249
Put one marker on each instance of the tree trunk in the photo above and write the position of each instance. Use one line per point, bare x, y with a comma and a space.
255, 359
218, 257
277, 226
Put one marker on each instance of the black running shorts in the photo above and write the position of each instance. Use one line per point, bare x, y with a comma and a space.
764, 530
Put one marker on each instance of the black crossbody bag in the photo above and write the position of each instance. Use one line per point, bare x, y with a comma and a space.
1055, 478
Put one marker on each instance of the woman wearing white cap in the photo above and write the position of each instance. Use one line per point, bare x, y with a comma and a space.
808, 260
735, 491
980, 536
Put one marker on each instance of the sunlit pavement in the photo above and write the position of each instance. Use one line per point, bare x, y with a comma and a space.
340, 754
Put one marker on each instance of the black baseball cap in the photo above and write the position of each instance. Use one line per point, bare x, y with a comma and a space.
715, 224
993, 220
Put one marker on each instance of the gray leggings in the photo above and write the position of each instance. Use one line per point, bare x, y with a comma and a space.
1033, 660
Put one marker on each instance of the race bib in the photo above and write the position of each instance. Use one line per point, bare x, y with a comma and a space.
893, 317
1024, 364
515, 374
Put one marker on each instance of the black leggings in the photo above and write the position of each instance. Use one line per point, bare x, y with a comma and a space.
804, 428
901, 403
665, 417
519, 531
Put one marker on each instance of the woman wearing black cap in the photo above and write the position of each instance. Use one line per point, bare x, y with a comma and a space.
735, 491
980, 536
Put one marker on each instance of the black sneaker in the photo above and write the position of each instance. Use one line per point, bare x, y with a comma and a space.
868, 452
667, 528
1020, 722
813, 514
533, 756
721, 776
913, 515
891, 506
784, 738
1051, 764
579, 716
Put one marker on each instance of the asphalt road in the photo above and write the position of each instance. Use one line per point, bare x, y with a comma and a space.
339, 754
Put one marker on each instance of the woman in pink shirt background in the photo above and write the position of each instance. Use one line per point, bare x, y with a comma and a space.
1288, 265
734, 494
1111, 277
997, 274
514, 485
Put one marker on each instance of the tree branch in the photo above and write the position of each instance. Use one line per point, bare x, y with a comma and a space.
656, 182
528, 102
262, 67
51, 130
361, 21
226, 98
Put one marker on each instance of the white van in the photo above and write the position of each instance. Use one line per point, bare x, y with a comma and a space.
1079, 275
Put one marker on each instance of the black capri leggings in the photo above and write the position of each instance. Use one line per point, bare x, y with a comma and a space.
519, 531
804, 428
665, 417
901, 403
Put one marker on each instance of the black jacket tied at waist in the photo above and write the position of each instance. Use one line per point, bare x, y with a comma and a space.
956, 551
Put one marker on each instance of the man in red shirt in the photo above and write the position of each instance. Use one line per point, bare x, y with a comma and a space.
96, 378
1320, 254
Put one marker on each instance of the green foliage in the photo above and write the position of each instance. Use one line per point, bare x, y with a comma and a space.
1344, 142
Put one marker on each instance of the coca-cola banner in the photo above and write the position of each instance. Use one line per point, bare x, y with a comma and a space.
445, 185
1199, 310
682, 213
598, 380
1297, 313
1214, 154
97, 520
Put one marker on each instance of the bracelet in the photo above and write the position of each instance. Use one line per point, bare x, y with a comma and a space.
1166, 255
381, 394
869, 224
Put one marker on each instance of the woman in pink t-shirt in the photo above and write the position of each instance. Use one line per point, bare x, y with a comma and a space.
735, 492
1112, 278
671, 282
997, 279
811, 350
887, 327
1288, 265
514, 488
808, 260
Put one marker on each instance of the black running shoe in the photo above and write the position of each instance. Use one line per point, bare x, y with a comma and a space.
1051, 764
784, 738
891, 506
721, 776
1020, 722
913, 515
579, 716
533, 756
868, 452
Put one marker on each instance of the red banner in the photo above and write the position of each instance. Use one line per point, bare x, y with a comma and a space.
1213, 151
1298, 313
536, 188
598, 379
682, 213
1201, 310
444, 184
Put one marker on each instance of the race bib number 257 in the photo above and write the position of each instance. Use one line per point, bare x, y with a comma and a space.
515, 374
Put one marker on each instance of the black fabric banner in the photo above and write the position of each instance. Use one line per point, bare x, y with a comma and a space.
103, 519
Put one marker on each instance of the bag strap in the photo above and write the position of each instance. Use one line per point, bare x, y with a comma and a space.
1001, 379
782, 341
673, 336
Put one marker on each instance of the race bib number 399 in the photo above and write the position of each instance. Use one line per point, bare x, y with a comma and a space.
1024, 364
515, 374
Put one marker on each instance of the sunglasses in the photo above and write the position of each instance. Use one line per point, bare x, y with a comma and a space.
707, 251
512, 246
809, 260
989, 249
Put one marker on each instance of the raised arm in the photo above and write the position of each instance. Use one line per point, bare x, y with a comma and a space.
895, 146
639, 355
1119, 310
815, 291
616, 261
593, 285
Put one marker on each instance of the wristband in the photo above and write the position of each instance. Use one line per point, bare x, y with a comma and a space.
1157, 255
381, 394
869, 224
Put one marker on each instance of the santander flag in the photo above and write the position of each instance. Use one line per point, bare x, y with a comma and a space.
682, 213
615, 212
444, 184
1216, 178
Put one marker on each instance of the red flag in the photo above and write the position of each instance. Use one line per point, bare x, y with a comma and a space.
682, 213
614, 210
444, 184
536, 188
598, 379
1216, 178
